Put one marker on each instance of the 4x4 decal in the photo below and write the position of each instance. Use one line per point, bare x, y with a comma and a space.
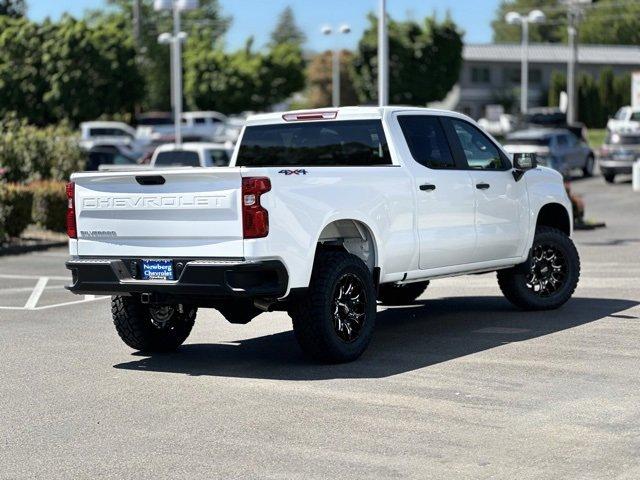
299, 171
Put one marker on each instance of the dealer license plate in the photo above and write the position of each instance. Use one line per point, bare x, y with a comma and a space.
157, 270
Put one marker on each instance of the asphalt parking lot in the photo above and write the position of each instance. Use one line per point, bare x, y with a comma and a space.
459, 385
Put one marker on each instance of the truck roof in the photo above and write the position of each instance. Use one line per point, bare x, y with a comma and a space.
342, 113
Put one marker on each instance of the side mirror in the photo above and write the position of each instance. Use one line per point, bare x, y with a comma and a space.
523, 162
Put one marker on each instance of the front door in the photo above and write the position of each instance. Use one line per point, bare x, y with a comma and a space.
501, 213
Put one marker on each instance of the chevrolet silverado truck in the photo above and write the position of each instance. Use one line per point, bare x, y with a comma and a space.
321, 214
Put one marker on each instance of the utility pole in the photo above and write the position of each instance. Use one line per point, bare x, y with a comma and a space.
137, 24
335, 82
574, 15
383, 55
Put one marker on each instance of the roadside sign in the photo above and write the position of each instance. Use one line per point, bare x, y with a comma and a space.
635, 90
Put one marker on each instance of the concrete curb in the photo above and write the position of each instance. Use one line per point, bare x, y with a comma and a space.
35, 247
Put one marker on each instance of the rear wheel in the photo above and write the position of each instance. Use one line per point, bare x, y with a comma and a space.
151, 328
550, 276
394, 294
333, 321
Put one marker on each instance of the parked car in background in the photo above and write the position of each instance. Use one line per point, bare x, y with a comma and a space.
499, 127
617, 154
109, 133
559, 149
550, 117
232, 129
626, 119
154, 124
209, 125
192, 155
111, 157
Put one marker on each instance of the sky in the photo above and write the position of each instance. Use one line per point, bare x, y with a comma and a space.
258, 17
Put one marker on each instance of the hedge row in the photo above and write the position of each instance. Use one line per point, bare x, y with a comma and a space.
29, 153
42, 203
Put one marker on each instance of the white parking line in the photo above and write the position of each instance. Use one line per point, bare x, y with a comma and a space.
12, 276
38, 290
36, 294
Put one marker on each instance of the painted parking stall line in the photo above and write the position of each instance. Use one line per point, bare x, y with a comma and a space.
36, 292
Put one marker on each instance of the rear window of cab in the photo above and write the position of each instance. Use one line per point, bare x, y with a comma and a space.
345, 143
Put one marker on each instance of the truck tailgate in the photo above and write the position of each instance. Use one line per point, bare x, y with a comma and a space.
160, 213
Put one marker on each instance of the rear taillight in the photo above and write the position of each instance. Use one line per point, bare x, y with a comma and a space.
72, 231
255, 219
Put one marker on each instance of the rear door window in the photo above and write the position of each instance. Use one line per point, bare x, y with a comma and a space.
351, 143
177, 159
426, 140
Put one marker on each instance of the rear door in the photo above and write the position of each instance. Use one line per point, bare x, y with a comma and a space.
160, 213
501, 212
445, 203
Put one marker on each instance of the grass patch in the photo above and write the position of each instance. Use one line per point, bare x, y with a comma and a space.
596, 136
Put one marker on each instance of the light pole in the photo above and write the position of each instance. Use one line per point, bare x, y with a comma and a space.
175, 41
383, 55
515, 18
335, 83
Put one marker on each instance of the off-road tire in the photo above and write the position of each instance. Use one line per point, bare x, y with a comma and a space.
513, 281
393, 294
313, 316
133, 322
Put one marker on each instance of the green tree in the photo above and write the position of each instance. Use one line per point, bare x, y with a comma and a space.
242, 80
66, 70
205, 25
13, 8
604, 22
424, 61
286, 30
90, 70
22, 81
557, 84
319, 80
553, 30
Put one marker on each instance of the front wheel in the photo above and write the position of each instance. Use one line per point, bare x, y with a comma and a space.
151, 328
609, 177
333, 321
550, 276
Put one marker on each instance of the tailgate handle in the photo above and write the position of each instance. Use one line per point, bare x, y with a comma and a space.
150, 179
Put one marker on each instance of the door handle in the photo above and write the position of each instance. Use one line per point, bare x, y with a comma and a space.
482, 186
427, 187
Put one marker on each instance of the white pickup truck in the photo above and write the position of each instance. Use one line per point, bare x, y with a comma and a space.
321, 214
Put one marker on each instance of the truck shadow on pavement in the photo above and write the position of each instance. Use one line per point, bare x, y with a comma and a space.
406, 338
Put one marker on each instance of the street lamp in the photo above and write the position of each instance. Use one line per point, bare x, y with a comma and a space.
328, 30
383, 55
175, 41
515, 18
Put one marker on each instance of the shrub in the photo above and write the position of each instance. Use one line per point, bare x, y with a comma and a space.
15, 209
29, 153
49, 205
